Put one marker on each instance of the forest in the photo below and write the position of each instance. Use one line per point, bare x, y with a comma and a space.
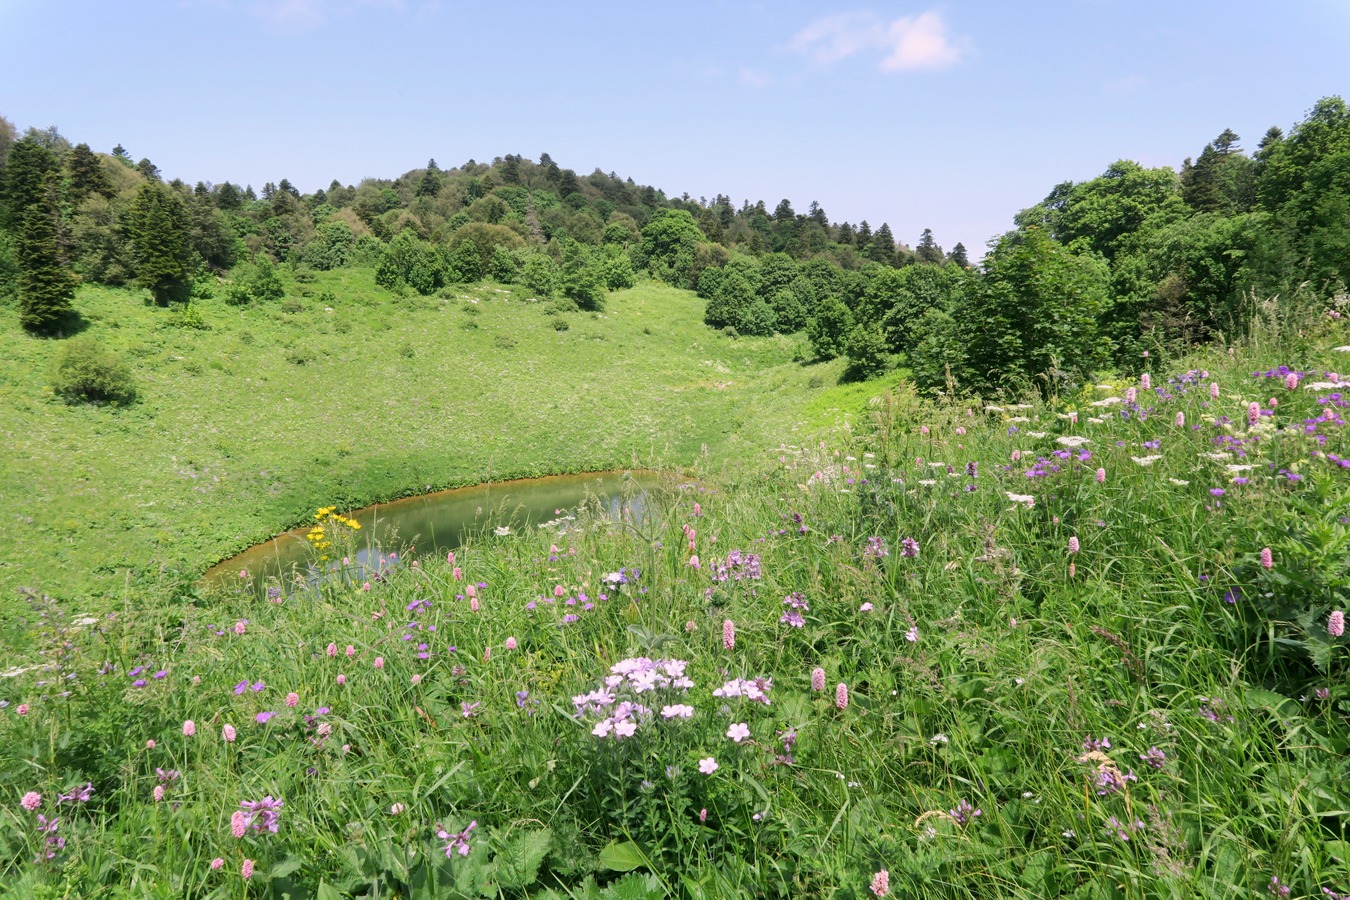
1091, 277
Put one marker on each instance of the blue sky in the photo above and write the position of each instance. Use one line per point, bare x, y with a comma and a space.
945, 115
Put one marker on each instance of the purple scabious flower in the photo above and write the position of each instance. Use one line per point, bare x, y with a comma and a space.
964, 813
262, 815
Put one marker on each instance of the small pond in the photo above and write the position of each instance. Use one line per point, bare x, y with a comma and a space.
434, 524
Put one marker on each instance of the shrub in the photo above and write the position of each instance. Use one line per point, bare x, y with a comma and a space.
87, 372
187, 315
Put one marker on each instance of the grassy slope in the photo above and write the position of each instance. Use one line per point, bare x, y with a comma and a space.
233, 439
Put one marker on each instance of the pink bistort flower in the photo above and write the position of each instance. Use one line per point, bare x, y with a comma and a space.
881, 883
817, 679
1336, 623
1267, 558
841, 695
728, 634
31, 801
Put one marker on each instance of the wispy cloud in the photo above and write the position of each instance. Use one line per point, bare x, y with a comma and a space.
909, 43
1126, 85
755, 78
300, 15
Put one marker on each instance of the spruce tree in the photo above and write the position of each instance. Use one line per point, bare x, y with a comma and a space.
21, 182
46, 286
928, 249
86, 174
159, 240
958, 255
882, 248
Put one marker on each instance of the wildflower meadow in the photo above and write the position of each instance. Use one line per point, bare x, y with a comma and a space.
1088, 647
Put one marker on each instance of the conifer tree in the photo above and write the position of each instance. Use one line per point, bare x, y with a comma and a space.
882, 248
159, 227
928, 249
46, 286
86, 174
21, 183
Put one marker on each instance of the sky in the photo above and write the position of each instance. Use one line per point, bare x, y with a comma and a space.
951, 116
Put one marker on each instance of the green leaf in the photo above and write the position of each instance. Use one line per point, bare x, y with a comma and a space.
287, 866
623, 857
326, 892
517, 862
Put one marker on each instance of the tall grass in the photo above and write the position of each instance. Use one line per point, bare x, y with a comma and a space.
1097, 692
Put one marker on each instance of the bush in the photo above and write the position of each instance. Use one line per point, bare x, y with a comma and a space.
187, 315
86, 372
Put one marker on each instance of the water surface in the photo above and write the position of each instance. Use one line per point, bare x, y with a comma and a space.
434, 524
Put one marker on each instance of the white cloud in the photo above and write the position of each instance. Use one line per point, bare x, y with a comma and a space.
755, 78
907, 43
300, 15
1126, 85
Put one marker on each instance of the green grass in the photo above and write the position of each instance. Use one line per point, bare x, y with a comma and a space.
977, 670
243, 428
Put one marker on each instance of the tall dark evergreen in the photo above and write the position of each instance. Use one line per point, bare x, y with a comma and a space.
882, 248
85, 171
159, 228
958, 255
928, 250
46, 286
21, 183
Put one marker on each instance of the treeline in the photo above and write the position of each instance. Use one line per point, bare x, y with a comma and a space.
102, 218
1096, 273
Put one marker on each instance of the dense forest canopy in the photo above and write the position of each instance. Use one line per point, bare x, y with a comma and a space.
1096, 273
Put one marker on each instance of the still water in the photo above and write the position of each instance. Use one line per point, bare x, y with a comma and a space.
435, 523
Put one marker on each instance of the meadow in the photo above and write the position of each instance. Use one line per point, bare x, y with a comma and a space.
1090, 647
249, 417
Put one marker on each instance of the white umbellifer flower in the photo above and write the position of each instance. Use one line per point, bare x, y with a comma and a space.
1019, 419
1028, 499
1106, 401
994, 409
937, 465
1036, 434
1020, 406
1345, 349
85, 620
1239, 468
1073, 440
1096, 420
1322, 386
1178, 482
1218, 455
1146, 460
927, 481
501, 531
